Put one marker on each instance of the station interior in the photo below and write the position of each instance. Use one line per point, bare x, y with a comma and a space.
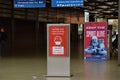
25, 53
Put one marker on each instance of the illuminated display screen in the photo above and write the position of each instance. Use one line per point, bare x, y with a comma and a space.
29, 3
67, 3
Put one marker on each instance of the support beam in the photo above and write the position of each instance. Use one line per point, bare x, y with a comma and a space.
119, 36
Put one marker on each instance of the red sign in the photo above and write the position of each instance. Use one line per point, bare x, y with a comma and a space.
58, 40
95, 37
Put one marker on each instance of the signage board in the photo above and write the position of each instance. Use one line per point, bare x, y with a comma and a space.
29, 3
95, 41
58, 40
67, 3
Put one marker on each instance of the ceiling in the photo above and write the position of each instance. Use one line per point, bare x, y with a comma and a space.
98, 8
102, 7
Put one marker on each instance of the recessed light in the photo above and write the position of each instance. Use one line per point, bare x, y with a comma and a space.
107, 11
99, 9
112, 9
94, 12
111, 3
104, 7
102, 0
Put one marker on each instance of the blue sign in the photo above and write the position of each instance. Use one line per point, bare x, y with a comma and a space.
29, 3
67, 3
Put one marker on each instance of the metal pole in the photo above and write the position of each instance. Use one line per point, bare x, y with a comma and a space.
119, 35
13, 28
37, 30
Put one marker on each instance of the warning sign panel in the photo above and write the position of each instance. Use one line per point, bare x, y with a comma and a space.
58, 40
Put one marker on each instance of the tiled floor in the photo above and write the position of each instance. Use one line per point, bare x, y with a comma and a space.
14, 68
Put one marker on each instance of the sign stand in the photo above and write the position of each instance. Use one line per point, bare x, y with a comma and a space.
58, 50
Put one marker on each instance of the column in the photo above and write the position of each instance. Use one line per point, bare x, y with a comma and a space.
119, 36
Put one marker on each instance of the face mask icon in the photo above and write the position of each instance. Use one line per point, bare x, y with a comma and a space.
58, 40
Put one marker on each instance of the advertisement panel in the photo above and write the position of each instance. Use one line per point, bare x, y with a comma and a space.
58, 40
29, 3
95, 41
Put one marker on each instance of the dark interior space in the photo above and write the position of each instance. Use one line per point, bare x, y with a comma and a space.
24, 37
27, 38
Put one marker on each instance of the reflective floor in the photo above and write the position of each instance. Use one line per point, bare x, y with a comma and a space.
32, 66
35, 69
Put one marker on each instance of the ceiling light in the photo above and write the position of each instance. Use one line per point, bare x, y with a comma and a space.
104, 7
94, 12
112, 9
92, 4
88, 7
86, 0
111, 3
102, 0
99, 9
106, 11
